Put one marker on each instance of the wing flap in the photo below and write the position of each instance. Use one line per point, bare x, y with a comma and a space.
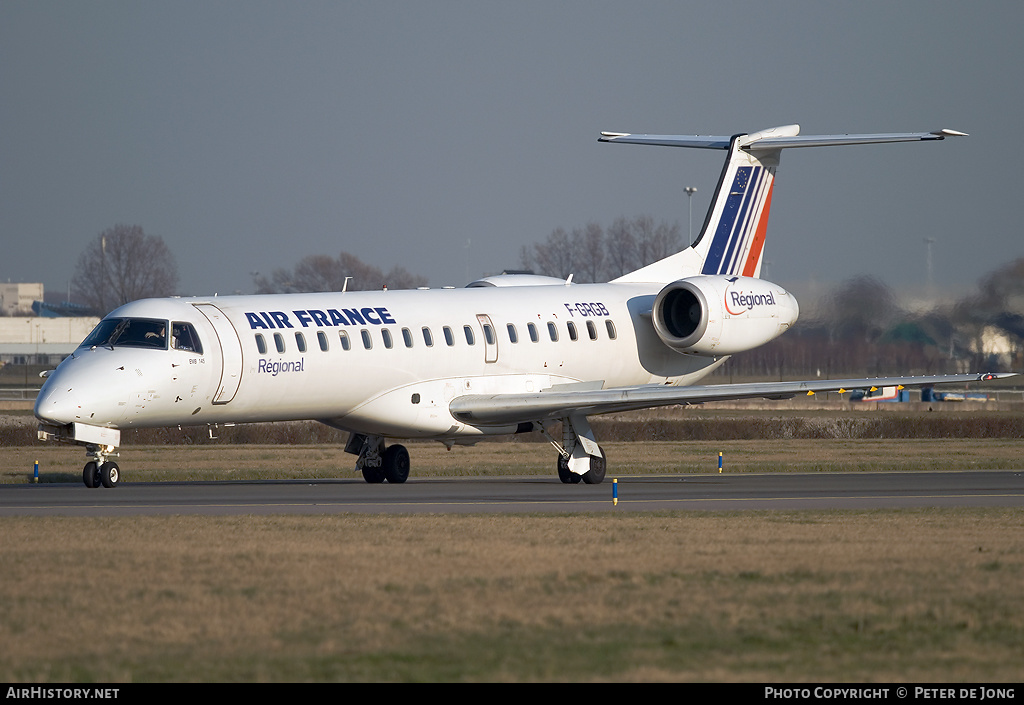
500, 409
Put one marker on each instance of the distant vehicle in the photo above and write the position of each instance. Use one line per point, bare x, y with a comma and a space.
890, 393
960, 396
929, 394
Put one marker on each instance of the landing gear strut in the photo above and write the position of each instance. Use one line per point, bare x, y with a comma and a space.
377, 462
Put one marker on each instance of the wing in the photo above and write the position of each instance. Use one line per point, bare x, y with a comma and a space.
587, 399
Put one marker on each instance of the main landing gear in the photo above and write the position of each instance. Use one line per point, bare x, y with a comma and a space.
99, 471
594, 476
580, 458
377, 462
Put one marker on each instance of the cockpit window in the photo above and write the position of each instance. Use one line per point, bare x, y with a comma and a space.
128, 333
184, 337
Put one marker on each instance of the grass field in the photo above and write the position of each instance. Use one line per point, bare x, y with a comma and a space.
911, 596
930, 595
249, 461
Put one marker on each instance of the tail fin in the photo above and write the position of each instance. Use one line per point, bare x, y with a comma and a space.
731, 241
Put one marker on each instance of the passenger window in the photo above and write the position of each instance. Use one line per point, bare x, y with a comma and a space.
533, 332
449, 337
386, 335
322, 338
592, 330
279, 342
300, 342
470, 338
261, 344
184, 337
407, 337
572, 330
552, 332
513, 336
343, 337
611, 329
367, 343
428, 337
488, 334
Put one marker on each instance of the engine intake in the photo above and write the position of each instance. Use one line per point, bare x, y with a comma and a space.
722, 315
683, 314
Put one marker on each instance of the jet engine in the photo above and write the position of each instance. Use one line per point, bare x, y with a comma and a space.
721, 315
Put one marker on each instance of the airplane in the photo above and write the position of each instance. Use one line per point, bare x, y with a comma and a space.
511, 353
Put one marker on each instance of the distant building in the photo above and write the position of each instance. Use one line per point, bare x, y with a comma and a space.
41, 341
16, 299
62, 310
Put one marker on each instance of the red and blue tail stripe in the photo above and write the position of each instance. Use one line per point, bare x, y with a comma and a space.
742, 222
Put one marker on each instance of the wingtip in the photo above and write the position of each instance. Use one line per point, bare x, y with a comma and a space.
950, 133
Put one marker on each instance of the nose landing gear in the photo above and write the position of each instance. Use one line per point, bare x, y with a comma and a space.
99, 471
100, 443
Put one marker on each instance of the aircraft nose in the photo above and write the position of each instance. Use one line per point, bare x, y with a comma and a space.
79, 391
58, 404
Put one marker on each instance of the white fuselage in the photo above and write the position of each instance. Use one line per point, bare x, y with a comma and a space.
386, 362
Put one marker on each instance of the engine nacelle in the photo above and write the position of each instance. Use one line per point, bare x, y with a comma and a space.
721, 315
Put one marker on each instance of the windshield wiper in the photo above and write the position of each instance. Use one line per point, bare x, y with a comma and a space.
116, 333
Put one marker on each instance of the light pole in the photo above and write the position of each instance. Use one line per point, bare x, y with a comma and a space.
928, 242
690, 190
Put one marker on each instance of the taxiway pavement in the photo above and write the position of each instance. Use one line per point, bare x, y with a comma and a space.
712, 492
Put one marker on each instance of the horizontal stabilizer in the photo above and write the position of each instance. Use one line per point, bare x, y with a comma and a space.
696, 141
775, 138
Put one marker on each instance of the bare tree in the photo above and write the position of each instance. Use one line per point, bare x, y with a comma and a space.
123, 264
622, 251
593, 254
326, 273
553, 257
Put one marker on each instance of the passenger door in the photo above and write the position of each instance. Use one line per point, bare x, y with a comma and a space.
230, 353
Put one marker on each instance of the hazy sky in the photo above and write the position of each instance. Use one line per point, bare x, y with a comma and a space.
444, 136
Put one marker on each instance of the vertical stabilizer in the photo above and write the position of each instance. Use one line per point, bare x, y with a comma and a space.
731, 242
732, 239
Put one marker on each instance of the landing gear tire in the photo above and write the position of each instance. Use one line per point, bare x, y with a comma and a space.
595, 476
91, 475
396, 464
374, 476
565, 474
110, 474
